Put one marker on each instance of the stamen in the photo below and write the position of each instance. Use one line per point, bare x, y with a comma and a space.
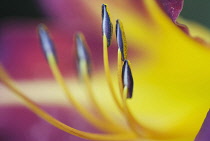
127, 78
130, 120
83, 58
136, 126
59, 78
47, 44
119, 70
4, 77
107, 27
84, 65
125, 112
111, 124
121, 40
122, 50
83, 53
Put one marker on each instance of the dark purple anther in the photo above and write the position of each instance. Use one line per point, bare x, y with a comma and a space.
121, 41
46, 42
106, 24
82, 52
127, 78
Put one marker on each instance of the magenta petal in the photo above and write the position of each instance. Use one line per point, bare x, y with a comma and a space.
204, 133
17, 123
172, 7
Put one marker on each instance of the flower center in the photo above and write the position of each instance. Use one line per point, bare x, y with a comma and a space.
115, 131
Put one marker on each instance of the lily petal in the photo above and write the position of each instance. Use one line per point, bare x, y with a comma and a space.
204, 133
28, 127
172, 7
171, 68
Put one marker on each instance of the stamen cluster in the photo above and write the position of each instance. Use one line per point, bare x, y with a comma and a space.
115, 131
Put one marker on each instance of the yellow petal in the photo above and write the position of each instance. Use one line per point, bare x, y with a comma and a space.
171, 92
171, 73
173, 89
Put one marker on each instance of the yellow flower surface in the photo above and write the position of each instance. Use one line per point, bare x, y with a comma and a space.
170, 72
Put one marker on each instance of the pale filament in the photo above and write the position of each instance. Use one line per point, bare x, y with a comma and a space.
86, 114
97, 106
108, 75
5, 79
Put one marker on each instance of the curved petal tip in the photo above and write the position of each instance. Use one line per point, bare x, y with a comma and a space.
172, 7
204, 133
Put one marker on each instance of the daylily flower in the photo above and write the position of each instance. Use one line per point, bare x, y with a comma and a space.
170, 71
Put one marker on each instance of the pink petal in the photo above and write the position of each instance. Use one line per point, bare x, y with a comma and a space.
172, 7
19, 124
204, 133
